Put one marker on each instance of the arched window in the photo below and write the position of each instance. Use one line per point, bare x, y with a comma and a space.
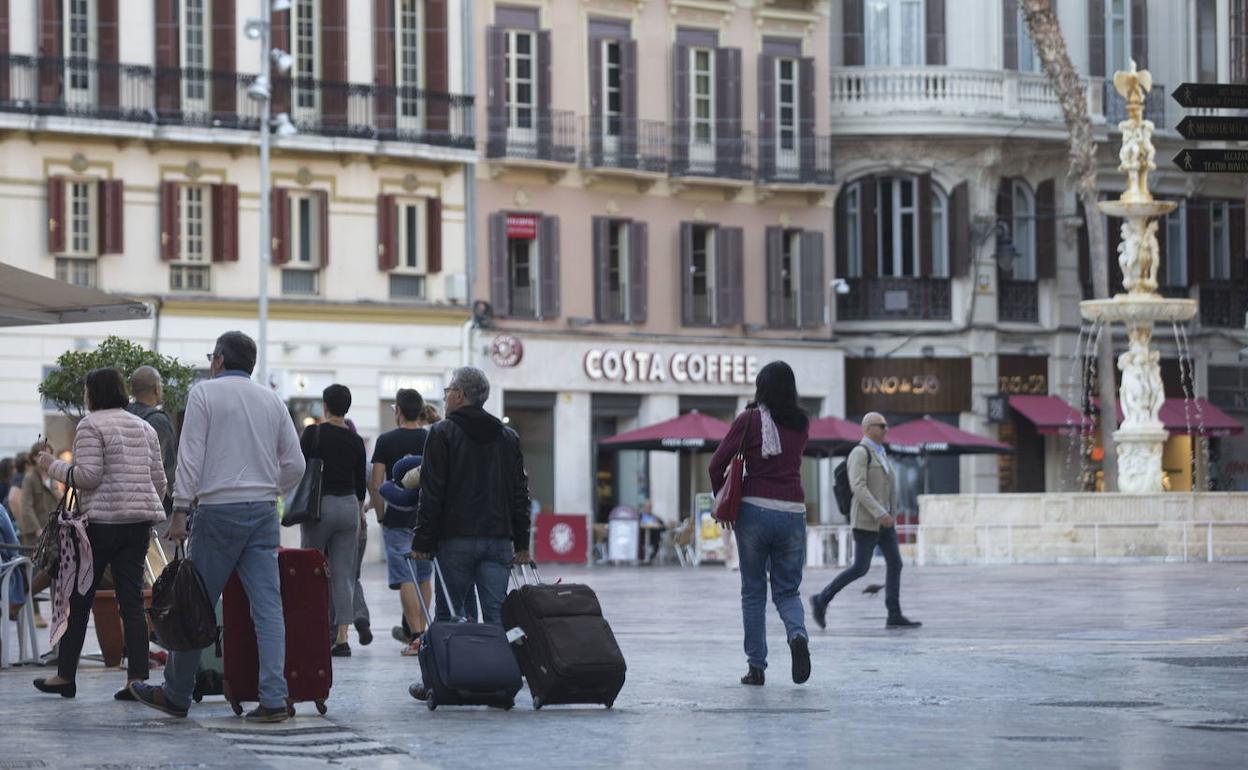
1023, 230
883, 234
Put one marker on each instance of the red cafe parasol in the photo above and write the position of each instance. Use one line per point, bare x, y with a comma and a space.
926, 436
692, 432
832, 436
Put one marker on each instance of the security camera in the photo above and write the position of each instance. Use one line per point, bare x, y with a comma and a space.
840, 286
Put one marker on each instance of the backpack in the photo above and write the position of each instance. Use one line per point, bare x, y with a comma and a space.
840, 483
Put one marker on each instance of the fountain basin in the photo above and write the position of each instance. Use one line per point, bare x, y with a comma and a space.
1129, 209
1138, 308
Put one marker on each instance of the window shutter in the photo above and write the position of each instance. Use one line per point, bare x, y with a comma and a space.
4, 50
322, 221
437, 74
729, 288
496, 45
1237, 242
56, 214
599, 228
225, 222
500, 277
279, 226
549, 235
852, 33
280, 38
170, 221
383, 64
842, 235
1139, 33
224, 87
814, 291
935, 23
867, 203
49, 52
387, 234
638, 272
686, 273
728, 110
334, 63
774, 243
433, 233
1009, 34
1197, 240
544, 124
960, 230
766, 115
1046, 230
109, 72
1085, 260
628, 111
925, 225
168, 90
806, 128
680, 108
112, 216
595, 100
1005, 211
1096, 38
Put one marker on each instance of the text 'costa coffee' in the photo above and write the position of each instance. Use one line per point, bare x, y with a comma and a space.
630, 366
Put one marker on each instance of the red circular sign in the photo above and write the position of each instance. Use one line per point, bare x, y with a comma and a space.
507, 350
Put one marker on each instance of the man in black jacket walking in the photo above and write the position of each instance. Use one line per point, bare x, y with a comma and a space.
474, 499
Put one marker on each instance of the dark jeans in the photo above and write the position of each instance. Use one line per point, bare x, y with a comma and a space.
123, 547
484, 562
865, 542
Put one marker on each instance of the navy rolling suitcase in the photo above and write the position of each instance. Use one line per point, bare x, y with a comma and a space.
466, 664
567, 651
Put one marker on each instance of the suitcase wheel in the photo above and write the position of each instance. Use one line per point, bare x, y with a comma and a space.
537, 703
290, 709
509, 705
321, 707
238, 708
431, 702
609, 704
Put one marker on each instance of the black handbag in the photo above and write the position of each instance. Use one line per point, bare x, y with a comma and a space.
303, 506
181, 613
47, 556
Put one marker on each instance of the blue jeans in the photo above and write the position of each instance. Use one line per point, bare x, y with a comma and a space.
481, 561
770, 542
242, 537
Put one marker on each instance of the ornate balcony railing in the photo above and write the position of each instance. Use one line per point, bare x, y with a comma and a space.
95, 89
548, 135
895, 299
795, 160
1223, 305
618, 143
1154, 106
715, 149
1018, 301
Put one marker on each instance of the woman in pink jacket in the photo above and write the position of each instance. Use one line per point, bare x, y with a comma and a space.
120, 479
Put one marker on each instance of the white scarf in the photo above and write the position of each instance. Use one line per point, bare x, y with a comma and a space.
771, 435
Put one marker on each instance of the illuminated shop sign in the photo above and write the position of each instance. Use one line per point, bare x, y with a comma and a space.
641, 366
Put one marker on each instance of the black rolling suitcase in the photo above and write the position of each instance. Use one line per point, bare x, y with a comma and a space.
565, 647
465, 664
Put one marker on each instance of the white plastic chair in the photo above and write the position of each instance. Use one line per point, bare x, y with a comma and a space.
25, 619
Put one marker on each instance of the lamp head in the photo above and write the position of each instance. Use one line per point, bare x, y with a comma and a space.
259, 90
282, 125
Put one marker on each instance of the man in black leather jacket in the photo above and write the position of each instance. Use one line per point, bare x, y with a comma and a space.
474, 499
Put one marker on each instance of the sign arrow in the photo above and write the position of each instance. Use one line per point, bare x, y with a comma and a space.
1214, 128
1212, 161
1217, 96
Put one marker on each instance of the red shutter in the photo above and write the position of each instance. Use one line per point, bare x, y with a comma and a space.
383, 63
686, 273
496, 92
1009, 34
767, 117
935, 32
4, 50
680, 108
433, 232
168, 62
109, 69
638, 271
549, 243
595, 100
437, 75
842, 235
1046, 230
112, 216
960, 230
852, 33
773, 241
56, 214
224, 88
281, 83
279, 226
600, 228
806, 128
334, 63
813, 286
224, 223
925, 225
387, 234
500, 278
170, 221
322, 220
50, 52
729, 284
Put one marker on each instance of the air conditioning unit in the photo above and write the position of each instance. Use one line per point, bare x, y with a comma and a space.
456, 287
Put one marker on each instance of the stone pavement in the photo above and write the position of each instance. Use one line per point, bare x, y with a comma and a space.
1019, 667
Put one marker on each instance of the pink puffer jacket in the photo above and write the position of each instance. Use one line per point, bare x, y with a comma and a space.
117, 469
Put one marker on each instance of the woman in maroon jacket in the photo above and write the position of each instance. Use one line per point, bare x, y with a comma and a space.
771, 530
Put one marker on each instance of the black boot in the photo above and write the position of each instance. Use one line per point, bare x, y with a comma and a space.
800, 650
901, 621
754, 677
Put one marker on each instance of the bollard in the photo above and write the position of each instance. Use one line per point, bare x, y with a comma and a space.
1209, 542
918, 547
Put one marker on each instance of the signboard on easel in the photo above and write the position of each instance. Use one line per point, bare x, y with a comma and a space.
709, 537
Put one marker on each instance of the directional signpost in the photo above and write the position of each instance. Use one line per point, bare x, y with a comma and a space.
1213, 128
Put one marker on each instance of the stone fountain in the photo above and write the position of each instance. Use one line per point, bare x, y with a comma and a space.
1141, 436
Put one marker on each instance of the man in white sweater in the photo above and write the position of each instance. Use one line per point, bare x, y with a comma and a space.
238, 453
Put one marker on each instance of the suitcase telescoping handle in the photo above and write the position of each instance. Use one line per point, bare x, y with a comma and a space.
521, 578
446, 592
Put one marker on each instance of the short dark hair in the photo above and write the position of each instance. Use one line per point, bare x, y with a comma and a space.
337, 399
237, 351
106, 389
409, 403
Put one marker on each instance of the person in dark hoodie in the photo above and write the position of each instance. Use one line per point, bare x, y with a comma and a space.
474, 499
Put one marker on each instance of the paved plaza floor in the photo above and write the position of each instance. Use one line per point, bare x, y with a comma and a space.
1016, 667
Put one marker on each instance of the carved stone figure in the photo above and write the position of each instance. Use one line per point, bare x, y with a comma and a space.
1138, 256
1142, 390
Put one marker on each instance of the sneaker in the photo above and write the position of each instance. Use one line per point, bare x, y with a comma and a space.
266, 714
400, 635
412, 649
154, 697
819, 611
340, 650
901, 621
365, 631
799, 648
754, 676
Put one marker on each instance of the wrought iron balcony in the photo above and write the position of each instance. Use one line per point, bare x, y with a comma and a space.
530, 134
1116, 106
89, 88
895, 299
630, 145
1223, 305
711, 149
1018, 301
795, 160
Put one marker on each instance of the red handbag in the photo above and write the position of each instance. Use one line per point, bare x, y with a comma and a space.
728, 501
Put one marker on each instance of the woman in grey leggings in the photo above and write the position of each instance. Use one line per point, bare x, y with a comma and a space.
342, 505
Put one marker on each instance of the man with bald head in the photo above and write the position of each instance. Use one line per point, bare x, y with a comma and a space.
873, 482
147, 388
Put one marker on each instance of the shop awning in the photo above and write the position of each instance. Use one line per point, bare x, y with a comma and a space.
1198, 416
29, 299
1050, 414
692, 432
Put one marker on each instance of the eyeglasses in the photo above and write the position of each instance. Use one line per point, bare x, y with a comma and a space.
210, 356
883, 425
447, 391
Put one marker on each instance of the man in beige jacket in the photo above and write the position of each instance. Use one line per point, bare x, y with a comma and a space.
873, 481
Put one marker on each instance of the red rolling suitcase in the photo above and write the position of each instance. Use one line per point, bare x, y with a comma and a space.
305, 605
